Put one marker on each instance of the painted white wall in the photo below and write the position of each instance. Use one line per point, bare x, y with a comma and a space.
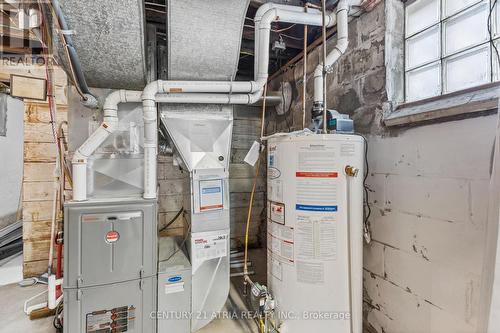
11, 160
494, 323
493, 219
429, 196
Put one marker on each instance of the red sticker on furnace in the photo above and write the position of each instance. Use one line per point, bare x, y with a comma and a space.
112, 237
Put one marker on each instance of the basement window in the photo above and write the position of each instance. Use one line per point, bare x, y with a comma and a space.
450, 46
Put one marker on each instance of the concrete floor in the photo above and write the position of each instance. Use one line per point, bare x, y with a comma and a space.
12, 271
13, 319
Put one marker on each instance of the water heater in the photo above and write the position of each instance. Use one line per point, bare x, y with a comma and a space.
315, 231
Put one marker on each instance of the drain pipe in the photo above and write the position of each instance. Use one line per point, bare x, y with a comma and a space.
258, 18
108, 126
216, 92
201, 92
332, 57
262, 29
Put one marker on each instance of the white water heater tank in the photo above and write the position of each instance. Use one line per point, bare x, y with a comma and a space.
315, 232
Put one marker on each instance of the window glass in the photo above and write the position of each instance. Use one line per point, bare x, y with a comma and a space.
468, 69
495, 61
454, 6
423, 82
421, 14
448, 46
466, 29
423, 48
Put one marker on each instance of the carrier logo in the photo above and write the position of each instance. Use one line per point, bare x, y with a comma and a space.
112, 237
174, 279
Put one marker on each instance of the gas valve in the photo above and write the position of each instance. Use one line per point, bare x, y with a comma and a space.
351, 171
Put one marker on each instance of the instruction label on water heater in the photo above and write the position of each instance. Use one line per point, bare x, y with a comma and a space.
316, 207
316, 179
316, 237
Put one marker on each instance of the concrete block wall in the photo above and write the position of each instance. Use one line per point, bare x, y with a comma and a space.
428, 192
429, 198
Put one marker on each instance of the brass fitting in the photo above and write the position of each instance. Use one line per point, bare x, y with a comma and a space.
351, 171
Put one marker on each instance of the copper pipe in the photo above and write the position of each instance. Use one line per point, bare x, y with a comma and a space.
304, 78
252, 194
323, 9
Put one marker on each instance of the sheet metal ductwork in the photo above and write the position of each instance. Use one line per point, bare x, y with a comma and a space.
101, 30
204, 40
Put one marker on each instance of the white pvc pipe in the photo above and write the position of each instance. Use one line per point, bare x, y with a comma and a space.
258, 17
108, 126
290, 14
210, 92
202, 92
337, 52
208, 98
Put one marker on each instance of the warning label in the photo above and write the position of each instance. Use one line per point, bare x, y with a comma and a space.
277, 212
280, 231
208, 247
211, 195
120, 319
281, 248
301, 174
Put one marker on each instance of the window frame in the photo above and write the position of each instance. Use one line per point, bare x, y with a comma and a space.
443, 57
482, 99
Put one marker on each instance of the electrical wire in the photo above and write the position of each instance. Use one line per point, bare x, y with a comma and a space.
180, 246
367, 208
273, 30
156, 11
323, 35
304, 76
155, 4
173, 219
57, 322
490, 31
285, 29
291, 37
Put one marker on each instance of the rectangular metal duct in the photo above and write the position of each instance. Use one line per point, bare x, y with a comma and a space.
204, 40
109, 37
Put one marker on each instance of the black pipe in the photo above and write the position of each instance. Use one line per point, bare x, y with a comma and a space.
73, 55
